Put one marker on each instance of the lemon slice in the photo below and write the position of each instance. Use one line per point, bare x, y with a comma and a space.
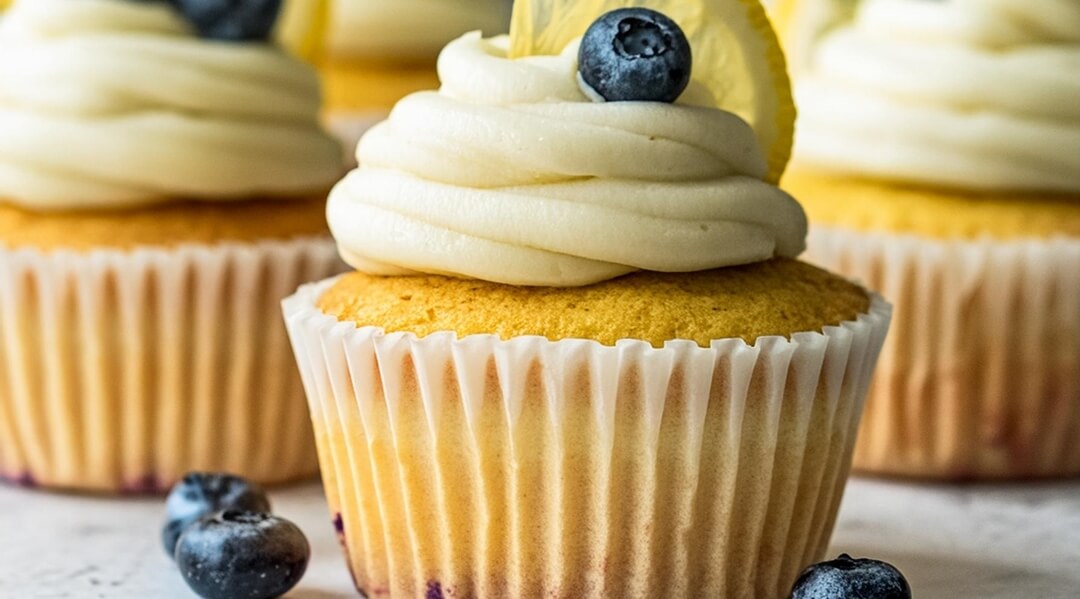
801, 23
302, 27
736, 55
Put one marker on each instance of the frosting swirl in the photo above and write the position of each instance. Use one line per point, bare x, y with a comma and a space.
108, 103
510, 174
414, 29
980, 94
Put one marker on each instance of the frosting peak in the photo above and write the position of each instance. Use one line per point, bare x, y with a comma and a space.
511, 174
110, 103
980, 94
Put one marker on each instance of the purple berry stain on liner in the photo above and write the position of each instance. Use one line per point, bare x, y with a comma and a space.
24, 480
339, 530
147, 484
372, 594
434, 591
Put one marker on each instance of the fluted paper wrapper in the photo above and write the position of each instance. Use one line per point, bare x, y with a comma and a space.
122, 370
980, 378
478, 467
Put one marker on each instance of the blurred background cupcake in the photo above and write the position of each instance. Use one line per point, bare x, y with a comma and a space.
162, 185
377, 52
509, 399
938, 156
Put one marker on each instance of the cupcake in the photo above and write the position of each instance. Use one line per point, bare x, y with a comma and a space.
377, 52
578, 357
159, 194
939, 158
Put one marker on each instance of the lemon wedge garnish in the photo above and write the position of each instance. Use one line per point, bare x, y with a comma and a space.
736, 55
802, 23
302, 27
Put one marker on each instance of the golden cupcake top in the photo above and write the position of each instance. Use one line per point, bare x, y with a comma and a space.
115, 103
171, 224
407, 30
654, 307
587, 145
869, 204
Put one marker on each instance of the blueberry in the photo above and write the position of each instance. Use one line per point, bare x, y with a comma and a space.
231, 20
200, 494
236, 554
635, 54
848, 578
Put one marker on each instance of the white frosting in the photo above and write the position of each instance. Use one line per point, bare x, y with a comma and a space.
510, 174
110, 103
979, 94
409, 29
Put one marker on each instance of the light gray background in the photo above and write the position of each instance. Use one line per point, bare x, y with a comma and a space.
979, 542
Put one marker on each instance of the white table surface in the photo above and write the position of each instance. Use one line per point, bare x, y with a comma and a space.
984, 542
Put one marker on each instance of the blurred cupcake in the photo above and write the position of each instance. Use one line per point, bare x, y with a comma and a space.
939, 158
511, 400
158, 194
377, 52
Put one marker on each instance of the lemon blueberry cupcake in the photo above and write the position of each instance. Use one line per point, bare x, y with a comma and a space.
578, 357
377, 52
939, 158
159, 193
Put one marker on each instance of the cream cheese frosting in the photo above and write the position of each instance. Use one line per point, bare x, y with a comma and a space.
978, 94
409, 29
509, 173
113, 103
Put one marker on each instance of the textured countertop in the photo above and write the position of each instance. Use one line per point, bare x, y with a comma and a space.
985, 542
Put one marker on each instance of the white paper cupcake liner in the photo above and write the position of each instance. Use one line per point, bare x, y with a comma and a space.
980, 378
478, 467
122, 370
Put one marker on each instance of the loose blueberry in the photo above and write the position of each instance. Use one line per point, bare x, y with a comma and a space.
231, 20
200, 494
848, 578
236, 554
635, 54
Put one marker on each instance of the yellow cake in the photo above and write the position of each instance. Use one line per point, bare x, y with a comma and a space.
579, 358
775, 298
875, 205
159, 194
370, 87
377, 52
168, 225
938, 157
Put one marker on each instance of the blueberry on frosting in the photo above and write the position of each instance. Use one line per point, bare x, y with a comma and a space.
849, 578
635, 54
231, 20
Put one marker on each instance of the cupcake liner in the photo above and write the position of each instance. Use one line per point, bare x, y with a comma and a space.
980, 378
122, 370
478, 467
